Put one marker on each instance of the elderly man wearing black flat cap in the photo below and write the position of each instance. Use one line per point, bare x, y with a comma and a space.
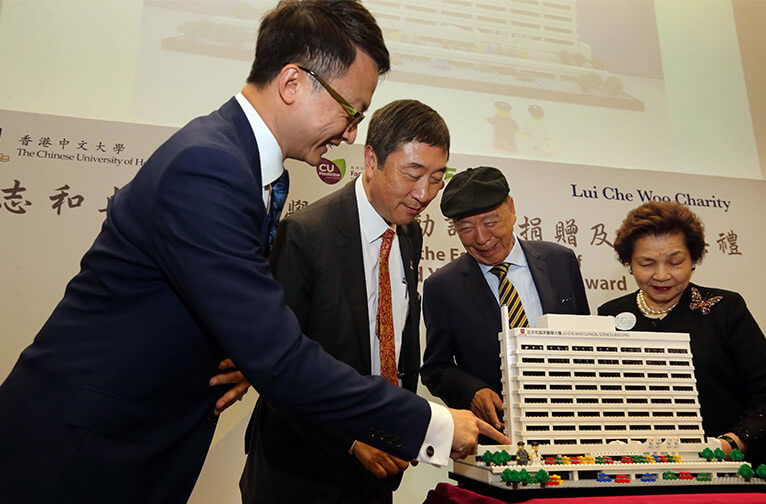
461, 301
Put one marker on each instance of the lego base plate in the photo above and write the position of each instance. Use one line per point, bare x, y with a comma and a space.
508, 494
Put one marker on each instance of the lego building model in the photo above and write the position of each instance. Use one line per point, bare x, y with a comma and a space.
527, 48
589, 406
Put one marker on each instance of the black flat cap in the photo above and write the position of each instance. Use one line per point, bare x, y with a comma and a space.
474, 191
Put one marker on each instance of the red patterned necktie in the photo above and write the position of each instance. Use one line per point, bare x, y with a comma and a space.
385, 319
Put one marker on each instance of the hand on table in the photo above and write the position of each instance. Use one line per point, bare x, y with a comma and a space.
229, 376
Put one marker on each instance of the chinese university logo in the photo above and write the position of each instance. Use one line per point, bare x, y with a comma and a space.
4, 158
331, 172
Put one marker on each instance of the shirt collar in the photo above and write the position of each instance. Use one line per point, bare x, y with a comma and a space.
268, 148
372, 224
516, 257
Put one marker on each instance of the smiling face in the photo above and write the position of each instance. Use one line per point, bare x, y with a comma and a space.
662, 267
406, 183
321, 121
488, 236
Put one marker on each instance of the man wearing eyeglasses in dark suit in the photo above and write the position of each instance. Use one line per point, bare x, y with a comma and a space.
112, 401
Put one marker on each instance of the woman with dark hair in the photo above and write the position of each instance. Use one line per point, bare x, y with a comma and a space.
662, 243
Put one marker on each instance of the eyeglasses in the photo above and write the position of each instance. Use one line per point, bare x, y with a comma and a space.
354, 116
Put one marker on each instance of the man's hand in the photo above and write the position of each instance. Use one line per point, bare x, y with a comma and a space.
230, 376
379, 463
727, 447
485, 405
467, 430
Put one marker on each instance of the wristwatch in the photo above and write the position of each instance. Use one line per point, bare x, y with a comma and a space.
730, 440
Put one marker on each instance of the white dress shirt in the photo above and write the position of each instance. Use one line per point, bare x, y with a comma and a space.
521, 278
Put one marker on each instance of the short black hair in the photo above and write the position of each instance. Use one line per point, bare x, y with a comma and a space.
321, 35
404, 121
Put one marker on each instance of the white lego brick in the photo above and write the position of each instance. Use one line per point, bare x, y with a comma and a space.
598, 323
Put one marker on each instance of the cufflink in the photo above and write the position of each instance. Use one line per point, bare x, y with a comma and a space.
430, 451
566, 300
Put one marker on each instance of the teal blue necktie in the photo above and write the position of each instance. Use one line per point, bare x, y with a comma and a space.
277, 202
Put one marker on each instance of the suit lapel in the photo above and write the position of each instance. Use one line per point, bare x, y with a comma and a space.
408, 260
484, 301
409, 354
353, 281
232, 112
540, 276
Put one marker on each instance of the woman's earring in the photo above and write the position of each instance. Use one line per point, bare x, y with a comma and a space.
630, 270
694, 267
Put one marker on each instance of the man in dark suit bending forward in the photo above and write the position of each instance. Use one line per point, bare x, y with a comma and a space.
112, 401
461, 301
331, 274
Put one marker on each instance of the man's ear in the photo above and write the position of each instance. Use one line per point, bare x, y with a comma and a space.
370, 162
290, 84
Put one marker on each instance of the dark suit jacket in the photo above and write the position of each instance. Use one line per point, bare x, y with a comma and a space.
463, 318
111, 402
321, 269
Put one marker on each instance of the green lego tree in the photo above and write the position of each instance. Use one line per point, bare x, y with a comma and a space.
515, 478
719, 454
761, 471
506, 457
707, 454
565, 57
498, 458
736, 455
487, 457
542, 477
579, 59
613, 85
506, 477
597, 63
746, 472
525, 477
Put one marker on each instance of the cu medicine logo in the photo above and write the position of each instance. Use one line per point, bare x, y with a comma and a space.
331, 172
4, 158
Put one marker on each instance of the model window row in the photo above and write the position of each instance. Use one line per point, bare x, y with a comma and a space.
580, 348
604, 374
607, 400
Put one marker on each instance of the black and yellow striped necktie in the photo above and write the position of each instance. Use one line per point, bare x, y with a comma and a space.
509, 297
